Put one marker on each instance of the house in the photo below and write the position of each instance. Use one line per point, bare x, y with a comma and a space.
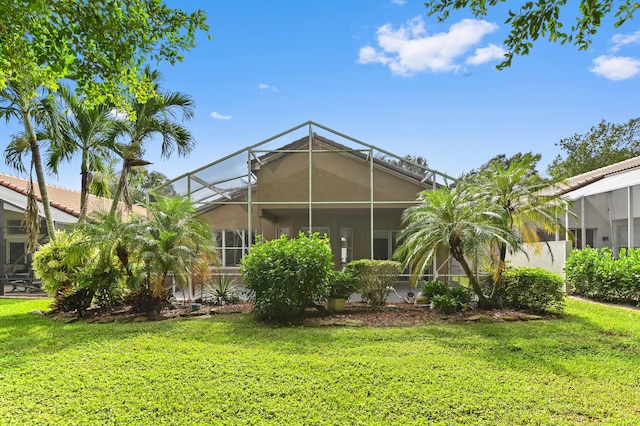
65, 209
300, 181
606, 213
606, 203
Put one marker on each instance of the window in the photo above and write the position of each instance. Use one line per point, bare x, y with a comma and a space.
232, 245
346, 246
384, 244
577, 233
17, 252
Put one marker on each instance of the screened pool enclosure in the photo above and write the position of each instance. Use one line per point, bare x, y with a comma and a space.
301, 181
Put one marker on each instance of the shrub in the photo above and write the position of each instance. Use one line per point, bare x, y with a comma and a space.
223, 290
343, 285
146, 301
286, 275
595, 273
59, 265
531, 288
436, 293
374, 278
433, 288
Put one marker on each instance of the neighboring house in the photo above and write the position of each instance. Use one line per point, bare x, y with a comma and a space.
353, 192
606, 202
606, 207
65, 209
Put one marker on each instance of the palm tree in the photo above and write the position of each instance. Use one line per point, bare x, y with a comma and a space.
21, 101
85, 130
516, 187
453, 219
154, 116
179, 241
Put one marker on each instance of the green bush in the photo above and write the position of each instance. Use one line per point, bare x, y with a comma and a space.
374, 278
286, 275
436, 293
531, 288
343, 284
597, 274
432, 288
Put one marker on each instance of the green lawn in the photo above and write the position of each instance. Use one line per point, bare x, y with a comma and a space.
230, 370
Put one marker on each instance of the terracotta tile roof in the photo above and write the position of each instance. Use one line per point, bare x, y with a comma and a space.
578, 181
63, 199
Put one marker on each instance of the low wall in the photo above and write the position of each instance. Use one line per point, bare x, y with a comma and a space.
551, 257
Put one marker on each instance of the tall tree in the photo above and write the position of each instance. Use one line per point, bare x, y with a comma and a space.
156, 116
453, 219
604, 144
85, 132
23, 103
531, 20
102, 45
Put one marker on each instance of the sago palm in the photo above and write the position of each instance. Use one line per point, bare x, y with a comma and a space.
452, 219
517, 189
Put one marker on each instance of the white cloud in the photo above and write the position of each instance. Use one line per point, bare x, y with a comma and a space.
399, 2
615, 67
264, 87
218, 116
621, 40
409, 49
483, 55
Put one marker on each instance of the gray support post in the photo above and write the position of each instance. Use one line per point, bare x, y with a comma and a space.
249, 207
630, 239
371, 198
583, 226
310, 179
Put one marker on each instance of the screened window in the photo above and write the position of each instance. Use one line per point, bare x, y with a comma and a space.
233, 244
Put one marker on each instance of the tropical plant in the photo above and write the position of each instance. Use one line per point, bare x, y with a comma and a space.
175, 241
456, 220
84, 131
223, 290
526, 210
155, 116
21, 101
285, 276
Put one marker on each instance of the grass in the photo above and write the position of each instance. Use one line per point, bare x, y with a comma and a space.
583, 369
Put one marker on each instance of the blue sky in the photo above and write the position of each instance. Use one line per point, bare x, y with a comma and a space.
383, 72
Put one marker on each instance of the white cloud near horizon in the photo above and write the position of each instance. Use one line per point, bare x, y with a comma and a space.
218, 116
409, 49
399, 2
266, 87
615, 67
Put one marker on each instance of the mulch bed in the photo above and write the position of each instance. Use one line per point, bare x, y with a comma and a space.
355, 315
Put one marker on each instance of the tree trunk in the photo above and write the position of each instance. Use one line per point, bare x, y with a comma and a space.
37, 162
121, 184
84, 186
483, 302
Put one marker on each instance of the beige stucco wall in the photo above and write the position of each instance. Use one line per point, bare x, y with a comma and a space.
551, 258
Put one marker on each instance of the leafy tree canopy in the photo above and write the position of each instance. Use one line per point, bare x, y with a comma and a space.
532, 20
604, 144
101, 44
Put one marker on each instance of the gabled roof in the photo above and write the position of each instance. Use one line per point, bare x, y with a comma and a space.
222, 180
66, 202
578, 181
